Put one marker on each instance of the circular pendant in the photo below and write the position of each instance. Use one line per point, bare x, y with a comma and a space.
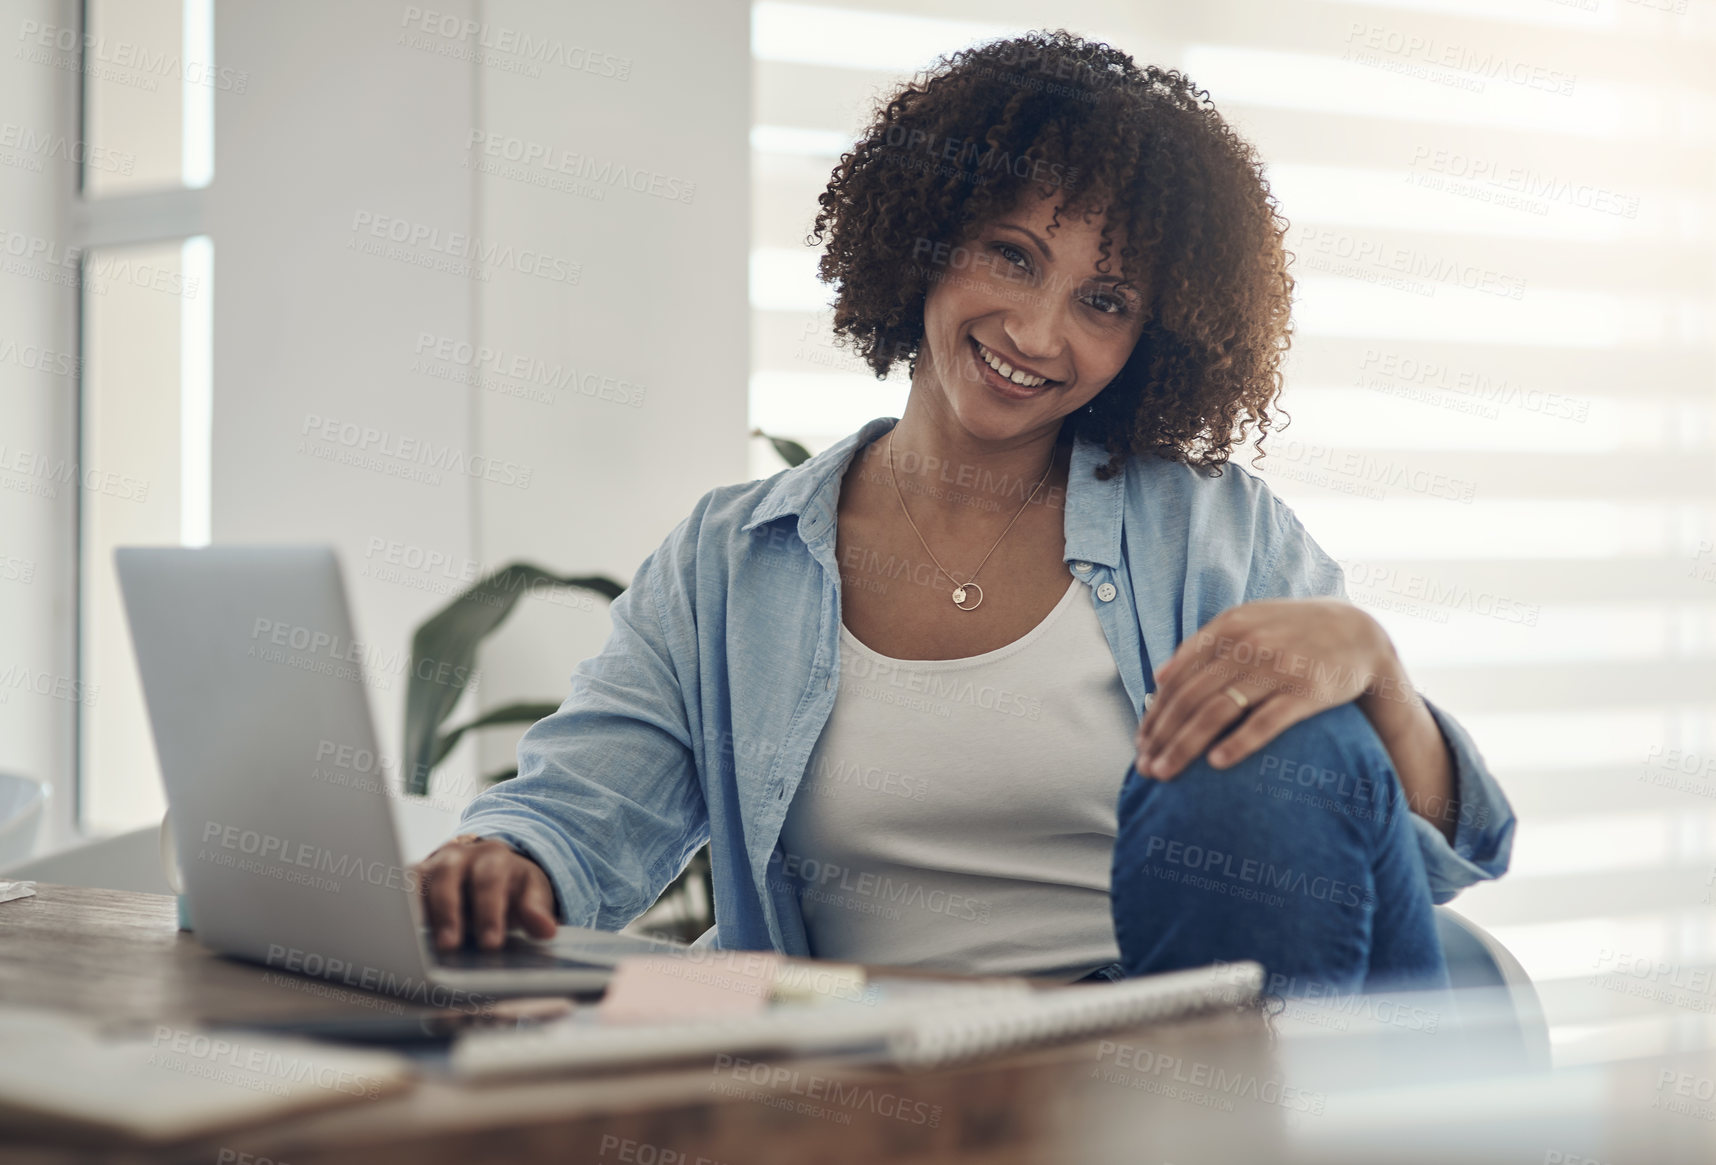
959, 596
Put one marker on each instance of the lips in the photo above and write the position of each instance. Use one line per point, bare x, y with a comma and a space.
1000, 385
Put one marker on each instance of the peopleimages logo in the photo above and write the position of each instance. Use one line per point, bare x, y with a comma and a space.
501, 40
860, 889
366, 441
1197, 1082
1207, 863
101, 55
558, 375
328, 654
51, 145
17, 677
456, 251
884, 675
1458, 596
216, 1057
973, 156
335, 970
268, 847
44, 475
36, 358
552, 161
1395, 368
1524, 181
797, 1090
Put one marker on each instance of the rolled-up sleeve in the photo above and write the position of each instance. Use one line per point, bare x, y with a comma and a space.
606, 798
1290, 564
1483, 833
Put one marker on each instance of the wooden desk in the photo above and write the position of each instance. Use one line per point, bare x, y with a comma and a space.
118, 957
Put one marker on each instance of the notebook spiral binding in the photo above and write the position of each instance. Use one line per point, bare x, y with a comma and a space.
967, 1033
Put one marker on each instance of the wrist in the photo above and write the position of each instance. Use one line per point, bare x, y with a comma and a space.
1388, 690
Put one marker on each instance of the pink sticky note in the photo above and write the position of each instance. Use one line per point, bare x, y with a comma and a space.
704, 985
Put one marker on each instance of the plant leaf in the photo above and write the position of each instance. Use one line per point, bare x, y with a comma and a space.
444, 648
791, 451
528, 712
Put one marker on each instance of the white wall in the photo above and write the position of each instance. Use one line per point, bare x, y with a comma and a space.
364, 110
36, 419
659, 306
338, 122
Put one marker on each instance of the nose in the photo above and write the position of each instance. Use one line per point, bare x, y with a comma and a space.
1036, 326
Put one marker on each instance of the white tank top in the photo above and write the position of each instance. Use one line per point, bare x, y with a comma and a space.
959, 814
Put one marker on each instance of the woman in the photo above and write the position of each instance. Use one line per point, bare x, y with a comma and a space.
905, 689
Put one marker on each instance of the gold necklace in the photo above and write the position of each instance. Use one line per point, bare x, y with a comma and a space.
960, 589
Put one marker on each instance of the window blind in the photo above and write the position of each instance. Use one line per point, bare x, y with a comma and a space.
1503, 416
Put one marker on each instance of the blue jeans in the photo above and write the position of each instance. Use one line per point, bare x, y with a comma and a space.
1301, 857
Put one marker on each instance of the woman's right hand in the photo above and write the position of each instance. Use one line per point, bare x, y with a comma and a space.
479, 888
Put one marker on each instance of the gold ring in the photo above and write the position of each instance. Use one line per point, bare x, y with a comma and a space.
1238, 697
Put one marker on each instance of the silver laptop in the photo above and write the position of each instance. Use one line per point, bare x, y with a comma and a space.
258, 693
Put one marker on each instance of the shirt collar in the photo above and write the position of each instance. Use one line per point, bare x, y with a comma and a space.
811, 490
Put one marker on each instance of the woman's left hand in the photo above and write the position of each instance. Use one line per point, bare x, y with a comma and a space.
1289, 658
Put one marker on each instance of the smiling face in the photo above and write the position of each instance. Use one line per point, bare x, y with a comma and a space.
1020, 327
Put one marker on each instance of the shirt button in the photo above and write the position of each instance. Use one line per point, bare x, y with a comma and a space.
1105, 592
1082, 567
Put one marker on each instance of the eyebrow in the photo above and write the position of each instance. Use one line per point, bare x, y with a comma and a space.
1050, 255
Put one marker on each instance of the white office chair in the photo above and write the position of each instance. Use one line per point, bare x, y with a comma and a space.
22, 801
1492, 982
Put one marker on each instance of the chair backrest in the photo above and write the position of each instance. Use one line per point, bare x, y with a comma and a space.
1479, 967
21, 803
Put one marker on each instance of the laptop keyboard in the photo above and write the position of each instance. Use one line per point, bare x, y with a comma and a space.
600, 949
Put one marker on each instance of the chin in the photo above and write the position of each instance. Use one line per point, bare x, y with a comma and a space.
991, 408
991, 420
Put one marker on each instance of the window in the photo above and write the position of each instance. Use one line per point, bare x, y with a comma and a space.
145, 394
145, 474
148, 89
1503, 417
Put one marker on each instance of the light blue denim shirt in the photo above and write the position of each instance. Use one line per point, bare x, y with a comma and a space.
696, 720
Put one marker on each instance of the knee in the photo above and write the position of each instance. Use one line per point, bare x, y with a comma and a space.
1331, 734
1330, 768
1332, 762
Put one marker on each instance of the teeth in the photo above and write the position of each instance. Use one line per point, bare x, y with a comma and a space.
1007, 371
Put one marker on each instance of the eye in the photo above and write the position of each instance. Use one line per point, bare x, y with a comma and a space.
1108, 304
1013, 255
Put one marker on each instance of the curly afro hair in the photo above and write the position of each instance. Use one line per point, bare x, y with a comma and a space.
962, 142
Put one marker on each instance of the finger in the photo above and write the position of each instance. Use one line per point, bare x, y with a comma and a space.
1217, 713
489, 878
1169, 680
1191, 692
533, 902
1162, 673
443, 889
1168, 676
1269, 718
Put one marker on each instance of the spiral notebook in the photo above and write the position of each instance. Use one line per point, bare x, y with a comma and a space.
928, 1026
